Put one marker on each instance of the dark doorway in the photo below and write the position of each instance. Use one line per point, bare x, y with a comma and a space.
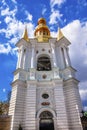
46, 121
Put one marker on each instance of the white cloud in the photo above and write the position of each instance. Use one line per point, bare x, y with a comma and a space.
76, 32
5, 11
85, 108
30, 27
15, 27
54, 34
83, 94
13, 40
2, 30
55, 13
3, 2
14, 1
44, 10
4, 90
55, 16
83, 90
29, 16
8, 12
8, 19
5, 48
56, 2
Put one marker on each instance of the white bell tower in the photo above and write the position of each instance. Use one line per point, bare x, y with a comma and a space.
45, 91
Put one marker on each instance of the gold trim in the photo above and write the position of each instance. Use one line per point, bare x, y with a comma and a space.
25, 34
60, 34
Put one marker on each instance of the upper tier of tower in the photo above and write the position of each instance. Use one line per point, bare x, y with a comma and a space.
42, 32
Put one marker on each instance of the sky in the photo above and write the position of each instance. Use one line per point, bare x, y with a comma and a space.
69, 15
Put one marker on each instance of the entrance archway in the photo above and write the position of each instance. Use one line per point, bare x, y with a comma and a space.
46, 121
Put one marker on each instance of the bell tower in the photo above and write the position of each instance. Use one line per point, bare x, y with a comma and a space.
45, 91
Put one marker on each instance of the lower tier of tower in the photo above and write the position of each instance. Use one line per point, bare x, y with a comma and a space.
53, 105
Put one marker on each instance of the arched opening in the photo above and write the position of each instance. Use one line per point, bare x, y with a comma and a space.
43, 64
46, 121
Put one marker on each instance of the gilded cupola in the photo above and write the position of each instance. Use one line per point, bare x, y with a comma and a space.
42, 32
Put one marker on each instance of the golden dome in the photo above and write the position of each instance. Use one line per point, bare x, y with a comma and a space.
41, 20
42, 32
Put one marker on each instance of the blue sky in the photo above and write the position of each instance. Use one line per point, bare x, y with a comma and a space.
70, 15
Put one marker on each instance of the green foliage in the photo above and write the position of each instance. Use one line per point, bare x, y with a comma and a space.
1, 108
4, 105
8, 96
85, 114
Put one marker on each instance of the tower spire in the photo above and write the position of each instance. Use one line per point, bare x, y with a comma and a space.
25, 34
60, 34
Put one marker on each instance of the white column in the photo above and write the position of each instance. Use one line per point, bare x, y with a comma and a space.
62, 123
32, 57
30, 110
66, 57
24, 60
20, 58
37, 123
54, 55
67, 50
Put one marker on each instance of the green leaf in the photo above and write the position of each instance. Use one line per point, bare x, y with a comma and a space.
85, 114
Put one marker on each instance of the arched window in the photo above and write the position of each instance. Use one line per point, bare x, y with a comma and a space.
46, 121
43, 64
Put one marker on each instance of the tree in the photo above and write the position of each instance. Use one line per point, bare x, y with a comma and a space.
4, 105
85, 114
1, 108
8, 96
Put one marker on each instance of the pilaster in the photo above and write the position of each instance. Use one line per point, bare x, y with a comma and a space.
73, 103
62, 121
33, 57
16, 109
53, 55
30, 106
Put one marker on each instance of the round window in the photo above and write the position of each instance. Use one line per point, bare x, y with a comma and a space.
45, 96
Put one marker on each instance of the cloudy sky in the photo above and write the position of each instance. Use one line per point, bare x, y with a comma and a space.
70, 15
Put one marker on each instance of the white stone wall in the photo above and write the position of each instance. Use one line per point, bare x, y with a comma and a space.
45, 89
30, 107
62, 121
29, 85
73, 104
17, 104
